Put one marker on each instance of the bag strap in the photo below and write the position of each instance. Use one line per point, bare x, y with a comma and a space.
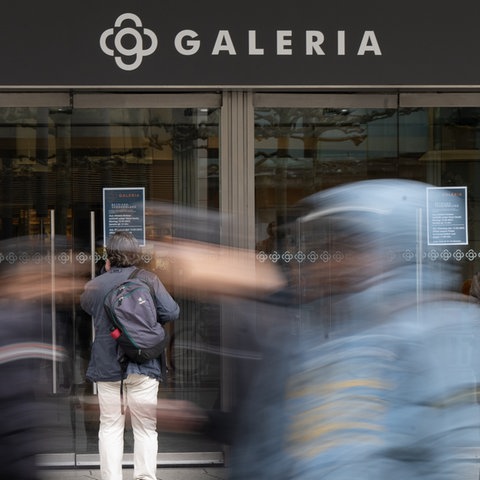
163, 357
134, 273
124, 364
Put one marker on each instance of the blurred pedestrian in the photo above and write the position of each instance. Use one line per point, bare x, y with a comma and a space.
26, 351
367, 363
379, 381
268, 244
140, 381
21, 415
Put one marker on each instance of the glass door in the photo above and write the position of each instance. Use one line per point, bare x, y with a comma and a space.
57, 154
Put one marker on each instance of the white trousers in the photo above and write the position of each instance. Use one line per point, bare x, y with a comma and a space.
140, 395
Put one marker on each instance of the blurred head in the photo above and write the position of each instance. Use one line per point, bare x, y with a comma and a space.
367, 215
123, 250
359, 231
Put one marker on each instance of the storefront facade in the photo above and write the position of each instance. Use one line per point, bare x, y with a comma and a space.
240, 110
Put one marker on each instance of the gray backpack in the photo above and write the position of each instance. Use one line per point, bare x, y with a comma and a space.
132, 311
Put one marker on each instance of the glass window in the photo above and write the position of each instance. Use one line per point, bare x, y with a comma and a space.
443, 146
55, 163
299, 151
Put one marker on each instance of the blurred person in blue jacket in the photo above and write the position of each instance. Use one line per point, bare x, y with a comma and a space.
378, 381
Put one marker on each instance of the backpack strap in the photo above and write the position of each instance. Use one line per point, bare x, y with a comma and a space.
163, 357
124, 364
134, 274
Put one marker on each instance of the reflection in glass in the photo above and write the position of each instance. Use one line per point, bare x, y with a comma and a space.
299, 151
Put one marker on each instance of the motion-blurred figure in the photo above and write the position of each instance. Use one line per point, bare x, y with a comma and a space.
25, 351
21, 417
379, 380
268, 244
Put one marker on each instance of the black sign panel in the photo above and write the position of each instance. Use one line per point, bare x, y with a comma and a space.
222, 43
124, 210
447, 215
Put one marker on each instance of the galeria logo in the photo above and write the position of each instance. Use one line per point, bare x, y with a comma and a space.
122, 36
128, 40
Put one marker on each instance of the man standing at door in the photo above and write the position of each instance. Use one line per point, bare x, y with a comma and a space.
140, 381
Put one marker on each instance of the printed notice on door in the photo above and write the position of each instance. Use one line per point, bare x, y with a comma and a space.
447, 216
124, 209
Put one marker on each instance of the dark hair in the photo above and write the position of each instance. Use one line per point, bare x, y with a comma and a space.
123, 250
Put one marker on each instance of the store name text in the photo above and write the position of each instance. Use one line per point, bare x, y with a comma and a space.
187, 42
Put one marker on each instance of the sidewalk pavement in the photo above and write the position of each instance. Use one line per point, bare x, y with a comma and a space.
166, 473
